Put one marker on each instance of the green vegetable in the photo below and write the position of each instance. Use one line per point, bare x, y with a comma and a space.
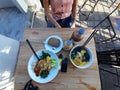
53, 63
44, 73
44, 55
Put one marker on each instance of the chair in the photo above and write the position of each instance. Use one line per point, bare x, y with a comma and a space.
34, 13
112, 2
108, 3
88, 3
105, 38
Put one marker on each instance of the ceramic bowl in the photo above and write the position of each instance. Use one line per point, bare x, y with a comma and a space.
52, 73
81, 57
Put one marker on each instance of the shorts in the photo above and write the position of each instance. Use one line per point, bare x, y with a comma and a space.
66, 22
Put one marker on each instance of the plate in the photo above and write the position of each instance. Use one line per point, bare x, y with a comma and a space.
53, 49
52, 73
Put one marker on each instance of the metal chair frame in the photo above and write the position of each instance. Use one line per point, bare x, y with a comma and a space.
108, 52
92, 10
95, 27
113, 55
112, 2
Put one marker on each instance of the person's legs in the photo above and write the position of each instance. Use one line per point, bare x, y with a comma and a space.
66, 22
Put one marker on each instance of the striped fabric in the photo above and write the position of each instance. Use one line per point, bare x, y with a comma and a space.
61, 8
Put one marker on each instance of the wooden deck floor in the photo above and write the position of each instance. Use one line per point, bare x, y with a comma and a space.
13, 23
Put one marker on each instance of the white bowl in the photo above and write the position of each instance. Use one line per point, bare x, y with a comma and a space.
90, 61
52, 73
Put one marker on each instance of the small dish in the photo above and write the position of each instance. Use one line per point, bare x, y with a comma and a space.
51, 48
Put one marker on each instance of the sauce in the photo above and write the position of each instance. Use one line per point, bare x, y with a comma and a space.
77, 35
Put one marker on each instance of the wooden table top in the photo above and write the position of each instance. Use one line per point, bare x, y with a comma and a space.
73, 79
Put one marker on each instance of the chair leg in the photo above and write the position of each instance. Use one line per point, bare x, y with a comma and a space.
96, 2
92, 10
82, 6
33, 17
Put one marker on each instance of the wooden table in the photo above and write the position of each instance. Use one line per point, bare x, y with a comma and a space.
73, 79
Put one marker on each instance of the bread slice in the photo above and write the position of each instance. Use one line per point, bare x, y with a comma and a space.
54, 42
